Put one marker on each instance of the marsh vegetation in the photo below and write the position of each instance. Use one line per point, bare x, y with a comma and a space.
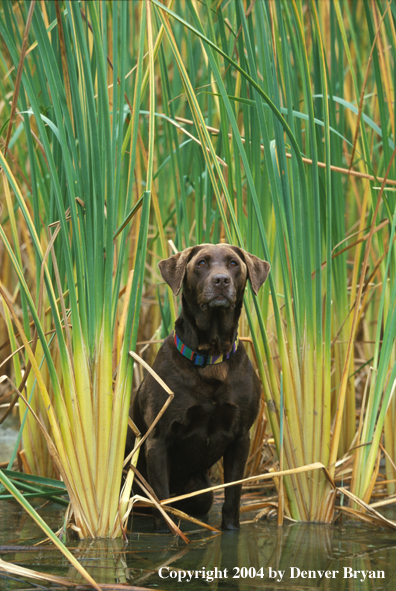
132, 130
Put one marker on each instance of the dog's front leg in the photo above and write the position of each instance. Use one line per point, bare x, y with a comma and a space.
234, 461
158, 477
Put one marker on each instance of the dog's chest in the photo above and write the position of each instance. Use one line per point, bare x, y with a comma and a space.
210, 417
201, 438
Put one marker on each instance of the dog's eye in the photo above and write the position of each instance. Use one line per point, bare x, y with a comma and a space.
233, 264
201, 263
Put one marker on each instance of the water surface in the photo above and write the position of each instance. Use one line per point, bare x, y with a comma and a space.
348, 556
300, 554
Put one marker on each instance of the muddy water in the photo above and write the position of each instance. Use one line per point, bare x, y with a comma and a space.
348, 556
299, 556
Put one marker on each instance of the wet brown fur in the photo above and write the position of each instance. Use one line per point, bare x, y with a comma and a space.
213, 406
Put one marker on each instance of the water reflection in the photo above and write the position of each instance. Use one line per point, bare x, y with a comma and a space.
8, 436
298, 556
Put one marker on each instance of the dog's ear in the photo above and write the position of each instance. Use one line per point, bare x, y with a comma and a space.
257, 269
174, 269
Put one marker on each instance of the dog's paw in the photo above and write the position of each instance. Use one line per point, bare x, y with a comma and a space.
160, 525
161, 529
229, 523
230, 516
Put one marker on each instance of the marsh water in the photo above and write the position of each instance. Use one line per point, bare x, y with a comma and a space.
349, 555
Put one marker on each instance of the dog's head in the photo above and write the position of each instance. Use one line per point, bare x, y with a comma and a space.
213, 275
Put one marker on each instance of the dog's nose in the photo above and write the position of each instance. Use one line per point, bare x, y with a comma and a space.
221, 280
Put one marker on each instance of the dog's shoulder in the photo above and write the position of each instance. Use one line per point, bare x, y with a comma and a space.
175, 371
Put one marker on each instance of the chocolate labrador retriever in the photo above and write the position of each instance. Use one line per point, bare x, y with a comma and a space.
216, 391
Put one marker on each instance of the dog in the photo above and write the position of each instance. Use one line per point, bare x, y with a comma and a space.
216, 391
